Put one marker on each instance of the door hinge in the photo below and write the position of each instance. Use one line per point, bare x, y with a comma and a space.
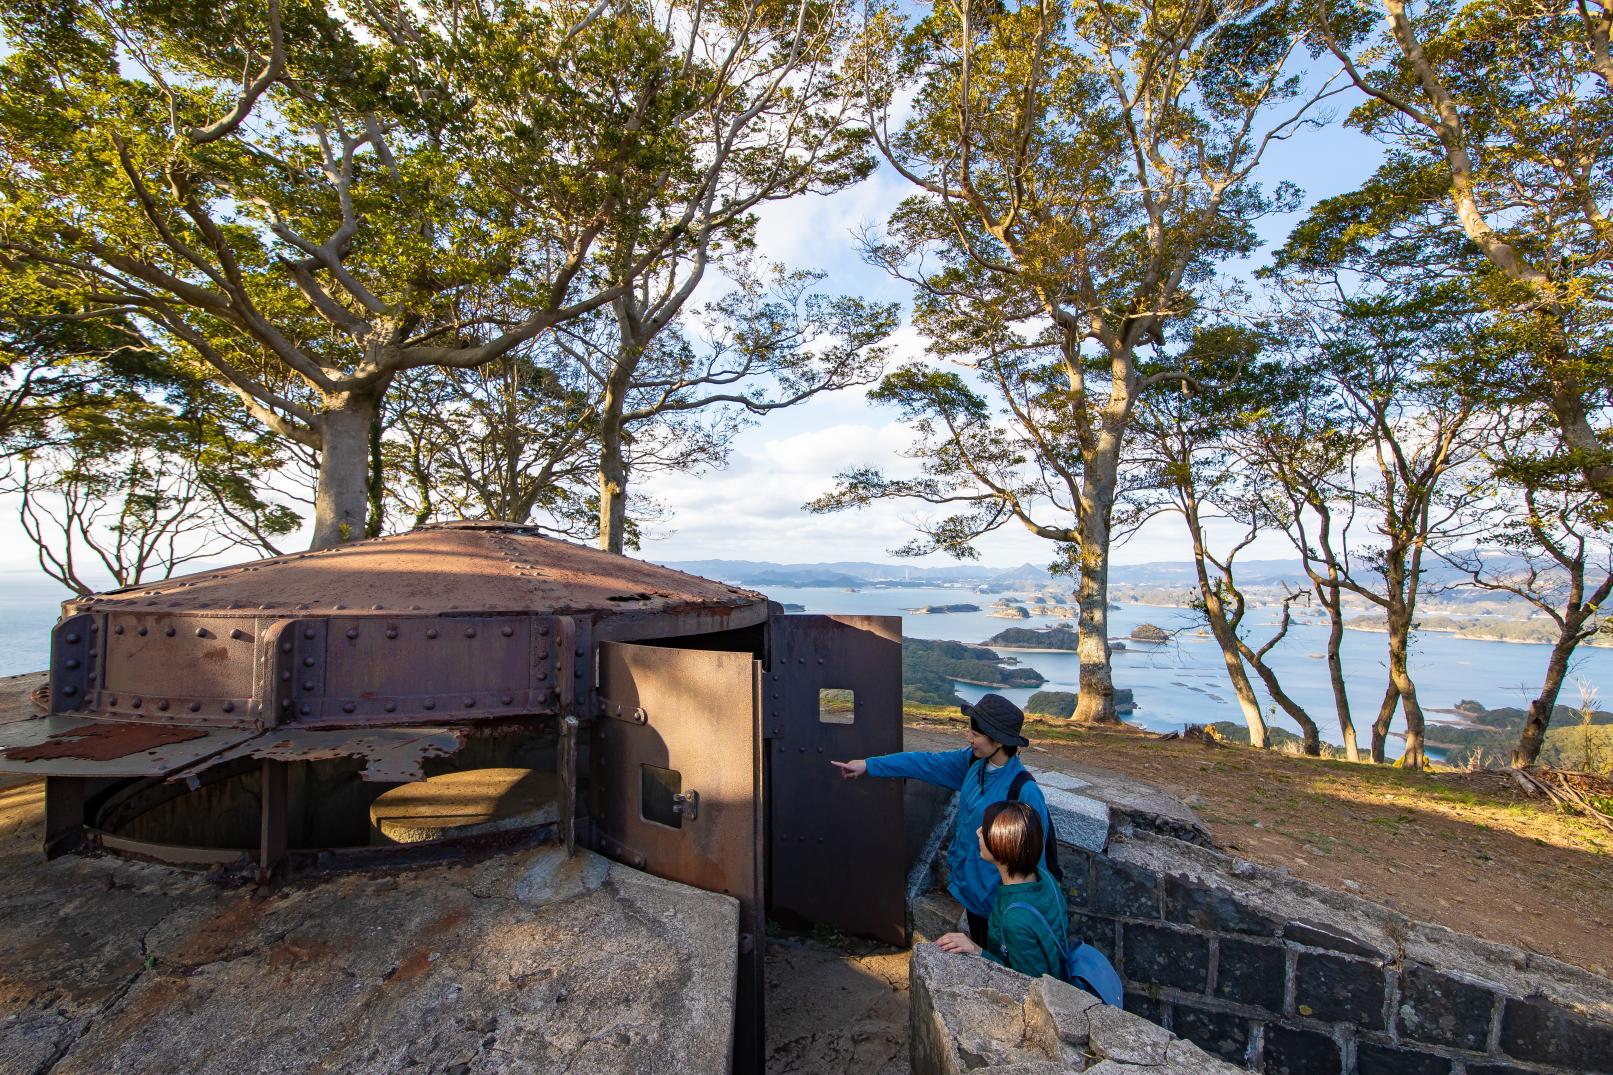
686, 805
617, 711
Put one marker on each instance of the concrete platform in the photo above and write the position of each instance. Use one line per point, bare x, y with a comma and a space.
524, 962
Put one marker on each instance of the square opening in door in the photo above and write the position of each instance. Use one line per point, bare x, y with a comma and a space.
836, 706
658, 795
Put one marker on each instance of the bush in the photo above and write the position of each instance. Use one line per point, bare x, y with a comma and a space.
1052, 704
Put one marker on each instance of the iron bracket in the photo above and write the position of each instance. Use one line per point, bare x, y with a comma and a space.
686, 805
617, 711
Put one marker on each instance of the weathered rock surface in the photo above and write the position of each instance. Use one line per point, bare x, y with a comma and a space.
522, 962
835, 1009
972, 1015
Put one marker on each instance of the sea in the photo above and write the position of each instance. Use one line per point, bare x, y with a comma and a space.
1185, 681
1180, 682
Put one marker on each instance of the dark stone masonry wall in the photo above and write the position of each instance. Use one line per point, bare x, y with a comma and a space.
1281, 976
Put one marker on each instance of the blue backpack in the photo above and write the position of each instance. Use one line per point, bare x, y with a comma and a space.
1084, 967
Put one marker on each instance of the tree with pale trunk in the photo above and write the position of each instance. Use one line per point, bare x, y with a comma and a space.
143, 479
510, 441
1079, 169
1498, 118
1188, 461
1543, 545
1299, 450
772, 341
1398, 446
312, 200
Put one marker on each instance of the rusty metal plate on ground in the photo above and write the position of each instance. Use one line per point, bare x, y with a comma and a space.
74, 746
391, 755
833, 691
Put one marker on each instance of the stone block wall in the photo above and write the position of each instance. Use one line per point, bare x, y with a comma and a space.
1280, 976
1283, 977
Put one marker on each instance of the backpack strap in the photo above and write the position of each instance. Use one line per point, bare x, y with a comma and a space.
1084, 967
1051, 934
1021, 778
1040, 917
1050, 838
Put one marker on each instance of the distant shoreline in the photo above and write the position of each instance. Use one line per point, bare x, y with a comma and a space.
1471, 634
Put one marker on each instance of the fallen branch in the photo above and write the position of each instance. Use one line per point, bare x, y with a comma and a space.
1580, 802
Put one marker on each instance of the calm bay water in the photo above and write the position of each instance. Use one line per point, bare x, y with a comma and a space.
1177, 683
1185, 681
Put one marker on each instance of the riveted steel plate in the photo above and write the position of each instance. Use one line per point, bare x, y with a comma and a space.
835, 846
178, 668
382, 670
701, 725
77, 746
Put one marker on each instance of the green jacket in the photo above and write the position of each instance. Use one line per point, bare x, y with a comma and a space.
1014, 936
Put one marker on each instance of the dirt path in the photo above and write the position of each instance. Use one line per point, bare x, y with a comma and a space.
835, 1005
1466, 850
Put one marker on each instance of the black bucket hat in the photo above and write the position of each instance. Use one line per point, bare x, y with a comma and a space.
999, 718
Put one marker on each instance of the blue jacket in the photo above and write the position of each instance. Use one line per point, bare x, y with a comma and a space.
974, 881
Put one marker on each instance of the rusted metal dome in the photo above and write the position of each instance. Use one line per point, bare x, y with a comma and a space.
406, 639
448, 568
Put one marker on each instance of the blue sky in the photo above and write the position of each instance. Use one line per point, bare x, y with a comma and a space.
752, 509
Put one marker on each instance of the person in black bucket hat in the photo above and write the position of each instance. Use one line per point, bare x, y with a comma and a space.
986, 771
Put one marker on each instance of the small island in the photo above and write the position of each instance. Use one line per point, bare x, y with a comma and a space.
940, 610
1011, 612
930, 667
1482, 628
1477, 733
1061, 704
1147, 632
1059, 636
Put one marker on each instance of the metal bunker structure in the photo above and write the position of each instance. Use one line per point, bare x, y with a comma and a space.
258, 710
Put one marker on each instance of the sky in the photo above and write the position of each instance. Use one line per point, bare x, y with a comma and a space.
752, 508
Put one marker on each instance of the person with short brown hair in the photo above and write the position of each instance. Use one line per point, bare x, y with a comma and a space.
1028, 928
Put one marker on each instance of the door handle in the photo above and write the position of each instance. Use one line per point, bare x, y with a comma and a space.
686, 805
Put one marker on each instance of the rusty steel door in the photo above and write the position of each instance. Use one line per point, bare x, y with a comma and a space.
833, 691
677, 787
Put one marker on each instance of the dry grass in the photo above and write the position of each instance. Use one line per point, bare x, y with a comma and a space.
1466, 849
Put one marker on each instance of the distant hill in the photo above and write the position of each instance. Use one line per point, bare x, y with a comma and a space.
1158, 582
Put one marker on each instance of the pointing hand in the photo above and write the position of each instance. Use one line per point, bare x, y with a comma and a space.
851, 770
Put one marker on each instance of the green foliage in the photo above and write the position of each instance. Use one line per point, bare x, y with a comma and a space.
311, 199
1279, 738
1052, 704
1582, 748
929, 669
1059, 636
1493, 195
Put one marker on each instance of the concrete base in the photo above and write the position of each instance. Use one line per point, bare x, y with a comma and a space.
523, 962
